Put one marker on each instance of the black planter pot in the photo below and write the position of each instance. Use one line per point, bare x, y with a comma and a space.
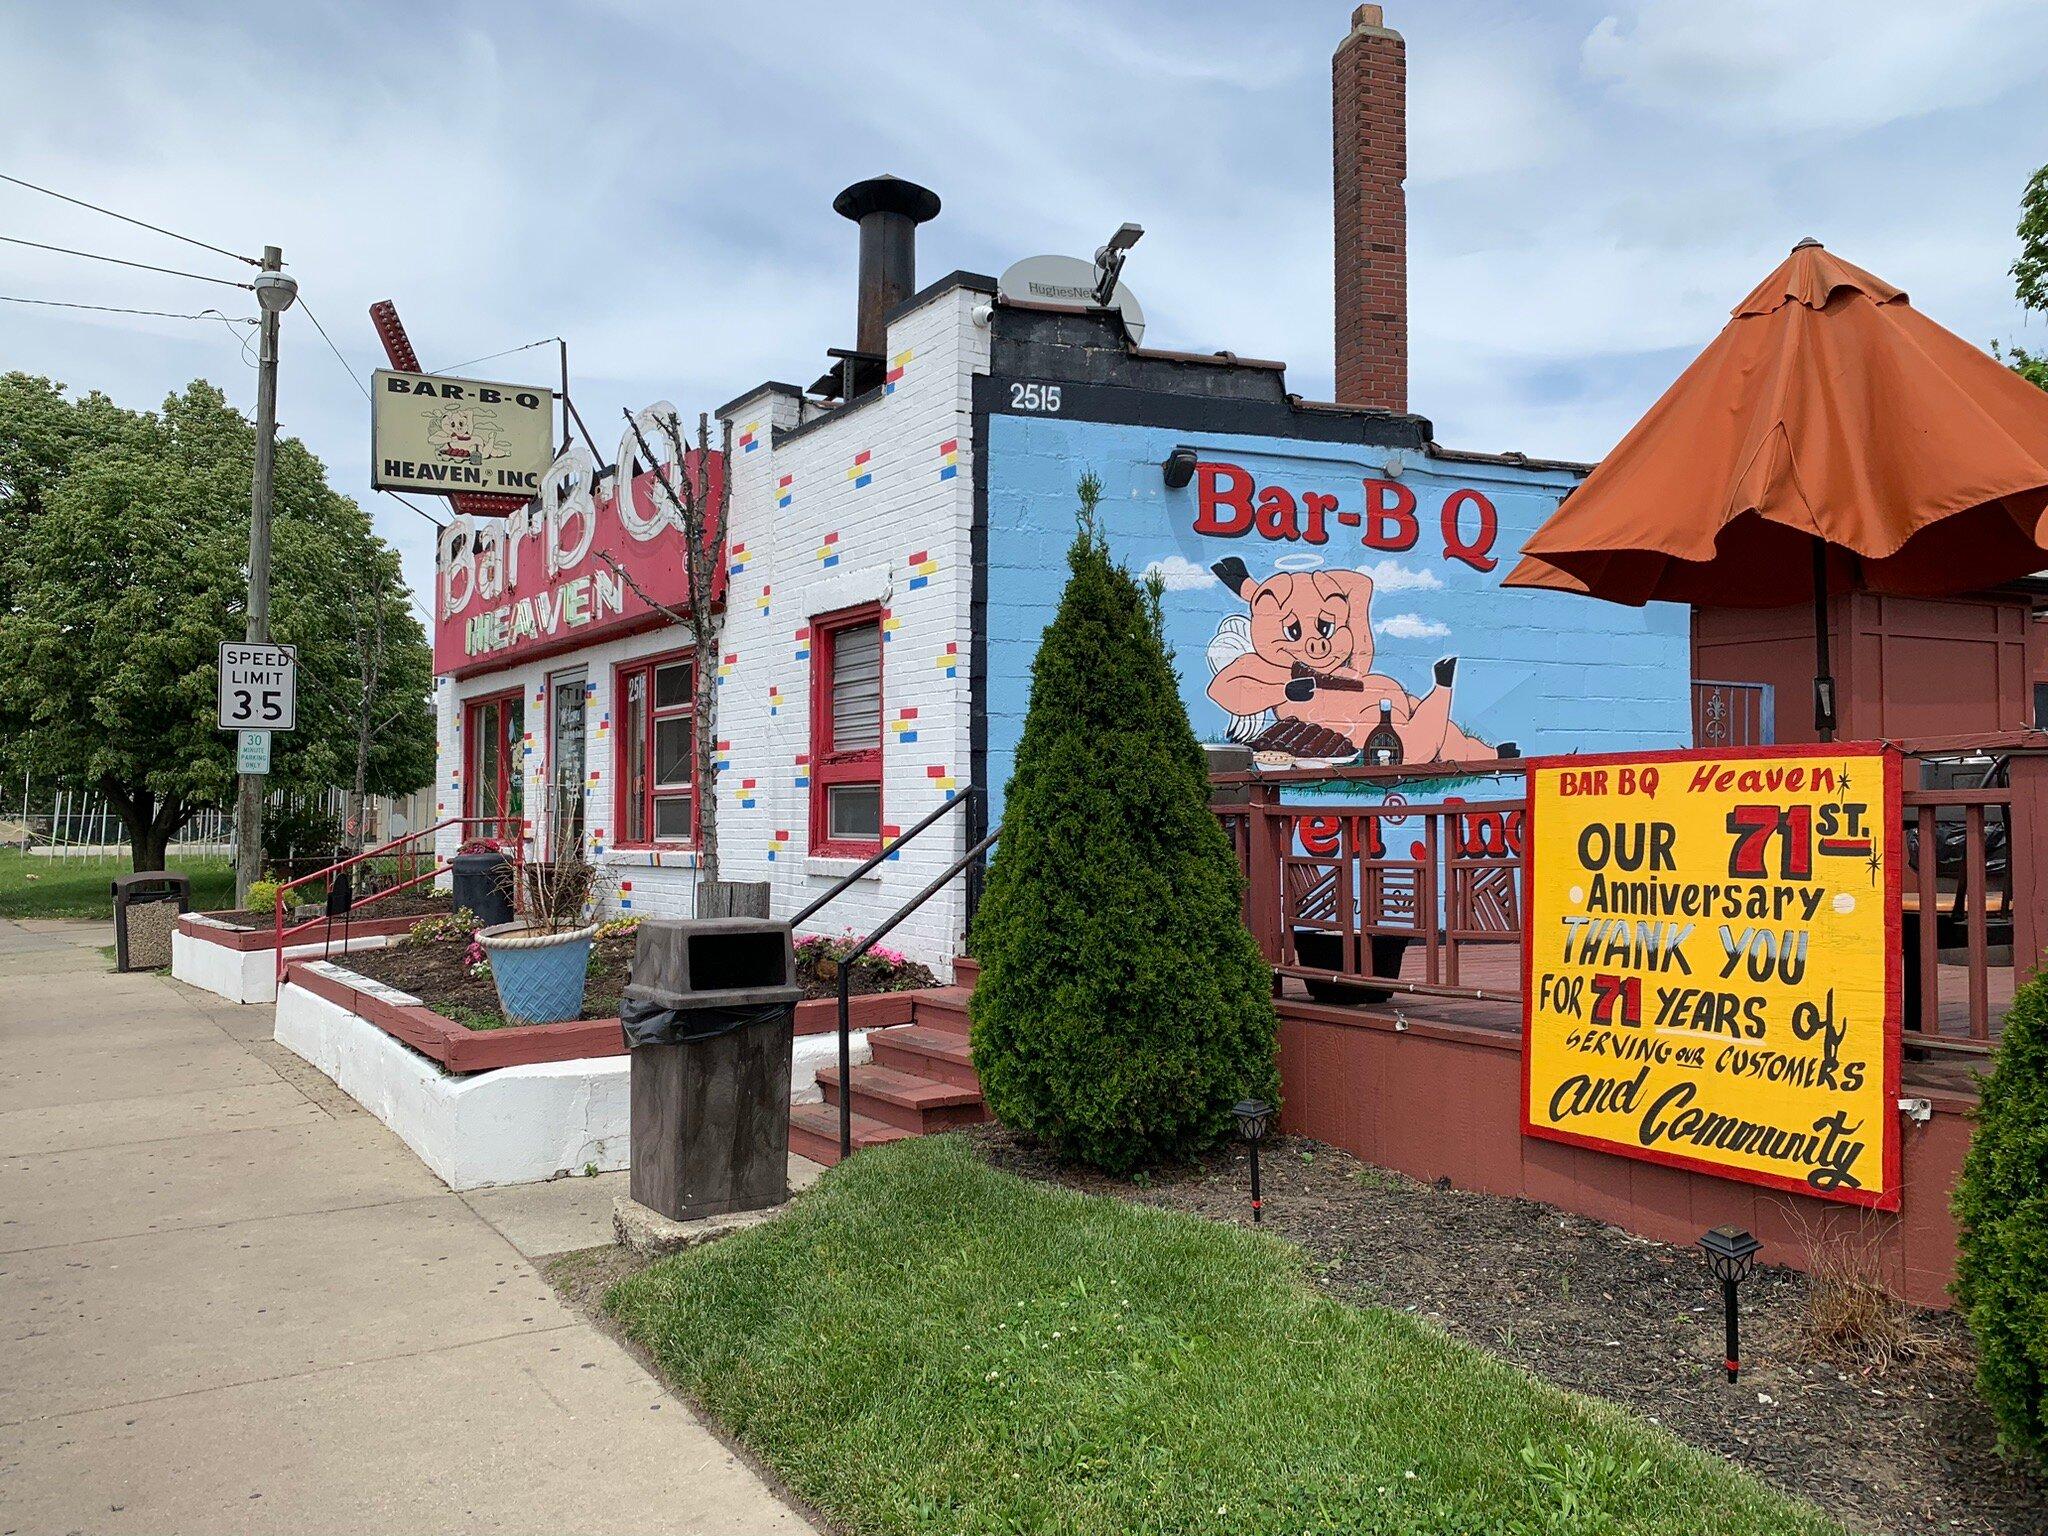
1323, 951
483, 884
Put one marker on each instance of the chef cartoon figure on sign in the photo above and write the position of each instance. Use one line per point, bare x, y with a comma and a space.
1294, 672
457, 432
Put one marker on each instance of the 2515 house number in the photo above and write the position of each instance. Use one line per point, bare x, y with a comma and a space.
1035, 397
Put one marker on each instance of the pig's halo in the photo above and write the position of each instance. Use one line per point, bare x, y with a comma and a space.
1301, 560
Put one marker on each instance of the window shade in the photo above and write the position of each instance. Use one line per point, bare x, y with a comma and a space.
857, 688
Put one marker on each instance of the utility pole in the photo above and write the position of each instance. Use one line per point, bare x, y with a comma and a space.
274, 294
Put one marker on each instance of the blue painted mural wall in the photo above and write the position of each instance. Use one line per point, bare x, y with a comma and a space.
1550, 672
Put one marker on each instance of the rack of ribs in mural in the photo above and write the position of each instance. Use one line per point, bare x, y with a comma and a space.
1295, 674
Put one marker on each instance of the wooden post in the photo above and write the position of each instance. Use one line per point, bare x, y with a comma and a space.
2027, 850
1265, 841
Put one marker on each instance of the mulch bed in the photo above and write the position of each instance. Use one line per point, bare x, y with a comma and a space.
404, 904
1639, 1323
434, 973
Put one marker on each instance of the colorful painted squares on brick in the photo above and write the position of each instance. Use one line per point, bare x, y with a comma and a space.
803, 643
774, 699
737, 561
746, 794
721, 755
889, 835
828, 551
750, 438
761, 602
949, 659
890, 624
803, 770
784, 495
859, 472
949, 458
922, 569
778, 844
725, 667
596, 841
895, 374
625, 895
904, 726
941, 779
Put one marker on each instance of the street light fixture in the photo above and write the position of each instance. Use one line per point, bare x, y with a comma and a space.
1178, 468
1731, 1254
275, 291
1252, 1115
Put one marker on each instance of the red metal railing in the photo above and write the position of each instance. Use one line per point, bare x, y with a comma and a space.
1359, 900
497, 824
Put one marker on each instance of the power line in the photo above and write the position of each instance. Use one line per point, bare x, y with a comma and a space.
119, 261
545, 341
362, 387
125, 219
115, 309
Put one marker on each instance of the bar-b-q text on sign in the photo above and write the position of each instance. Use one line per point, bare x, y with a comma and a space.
258, 686
1713, 962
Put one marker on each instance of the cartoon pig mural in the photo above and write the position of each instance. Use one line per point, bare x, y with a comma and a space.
1295, 674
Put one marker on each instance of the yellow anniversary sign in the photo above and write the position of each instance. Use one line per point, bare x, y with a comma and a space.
1712, 963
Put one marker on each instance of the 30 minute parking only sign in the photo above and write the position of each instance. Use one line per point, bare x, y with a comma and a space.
258, 686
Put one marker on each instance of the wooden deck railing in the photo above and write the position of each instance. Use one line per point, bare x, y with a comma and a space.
1360, 900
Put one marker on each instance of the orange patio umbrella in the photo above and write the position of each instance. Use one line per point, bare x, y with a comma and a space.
1831, 439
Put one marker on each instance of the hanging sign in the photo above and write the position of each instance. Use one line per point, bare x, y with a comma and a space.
259, 686
1712, 960
429, 433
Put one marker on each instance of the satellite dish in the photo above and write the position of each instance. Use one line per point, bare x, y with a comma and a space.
1068, 280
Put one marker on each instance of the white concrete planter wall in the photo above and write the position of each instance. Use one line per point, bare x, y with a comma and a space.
247, 975
511, 1125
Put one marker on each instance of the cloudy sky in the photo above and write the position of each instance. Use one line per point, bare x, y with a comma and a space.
1592, 185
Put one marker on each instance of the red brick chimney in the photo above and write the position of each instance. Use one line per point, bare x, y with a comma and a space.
1369, 100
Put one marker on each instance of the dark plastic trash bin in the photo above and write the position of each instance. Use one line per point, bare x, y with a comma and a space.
709, 1020
1324, 950
482, 882
142, 935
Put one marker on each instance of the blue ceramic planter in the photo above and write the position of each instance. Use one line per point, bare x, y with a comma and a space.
540, 976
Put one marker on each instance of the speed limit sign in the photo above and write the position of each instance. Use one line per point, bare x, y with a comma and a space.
258, 686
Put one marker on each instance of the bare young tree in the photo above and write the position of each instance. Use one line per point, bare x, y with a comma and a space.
699, 498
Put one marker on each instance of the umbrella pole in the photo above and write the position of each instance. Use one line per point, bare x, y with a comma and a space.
1823, 677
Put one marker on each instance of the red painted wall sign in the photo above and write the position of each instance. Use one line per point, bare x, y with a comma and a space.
538, 582
1230, 503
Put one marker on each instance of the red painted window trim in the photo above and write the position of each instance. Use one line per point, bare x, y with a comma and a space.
830, 767
621, 671
511, 763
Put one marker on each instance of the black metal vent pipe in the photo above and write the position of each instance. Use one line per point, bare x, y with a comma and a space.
888, 211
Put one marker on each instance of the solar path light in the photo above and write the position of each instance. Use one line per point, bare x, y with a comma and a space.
1252, 1115
1731, 1254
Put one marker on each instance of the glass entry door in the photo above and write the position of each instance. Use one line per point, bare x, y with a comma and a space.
567, 697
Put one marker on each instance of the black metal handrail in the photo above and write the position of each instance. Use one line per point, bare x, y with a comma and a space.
846, 965
839, 887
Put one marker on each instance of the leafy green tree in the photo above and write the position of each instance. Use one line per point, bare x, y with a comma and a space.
2030, 276
123, 568
2002, 1206
1122, 1007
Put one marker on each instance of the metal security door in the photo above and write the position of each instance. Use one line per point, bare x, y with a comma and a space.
567, 696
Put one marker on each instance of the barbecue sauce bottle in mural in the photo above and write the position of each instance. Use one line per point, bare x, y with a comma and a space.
1383, 745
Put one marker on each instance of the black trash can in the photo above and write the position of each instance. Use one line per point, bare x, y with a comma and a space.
483, 883
146, 908
709, 1018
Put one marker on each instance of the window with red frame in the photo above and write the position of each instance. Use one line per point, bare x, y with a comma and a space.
493, 732
846, 733
657, 731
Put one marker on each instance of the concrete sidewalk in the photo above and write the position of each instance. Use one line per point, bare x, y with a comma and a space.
232, 1301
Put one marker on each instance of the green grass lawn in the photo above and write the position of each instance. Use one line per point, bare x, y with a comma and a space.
31, 886
925, 1344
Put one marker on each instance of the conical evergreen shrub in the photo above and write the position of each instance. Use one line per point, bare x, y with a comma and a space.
2001, 1204
1122, 1007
